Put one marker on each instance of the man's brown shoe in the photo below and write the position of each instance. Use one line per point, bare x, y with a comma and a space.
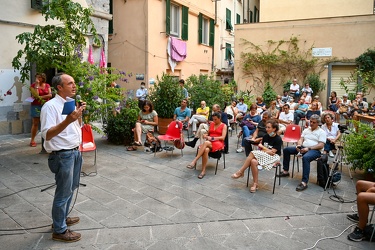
70, 221
67, 236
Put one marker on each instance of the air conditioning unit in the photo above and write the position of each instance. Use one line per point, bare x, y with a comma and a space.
38, 4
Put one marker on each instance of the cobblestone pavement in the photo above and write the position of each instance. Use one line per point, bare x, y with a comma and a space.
138, 201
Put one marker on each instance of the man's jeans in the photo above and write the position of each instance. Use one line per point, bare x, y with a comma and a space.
308, 157
66, 165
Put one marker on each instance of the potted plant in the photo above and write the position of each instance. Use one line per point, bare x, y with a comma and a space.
205, 88
119, 125
166, 96
360, 148
269, 94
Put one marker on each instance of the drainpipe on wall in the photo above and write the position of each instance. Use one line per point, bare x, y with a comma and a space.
213, 45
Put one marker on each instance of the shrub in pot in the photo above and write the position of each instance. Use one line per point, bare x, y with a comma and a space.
166, 96
205, 88
119, 125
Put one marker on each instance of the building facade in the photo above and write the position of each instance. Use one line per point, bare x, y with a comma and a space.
19, 16
344, 28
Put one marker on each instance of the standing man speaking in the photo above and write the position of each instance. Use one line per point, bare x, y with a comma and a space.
62, 135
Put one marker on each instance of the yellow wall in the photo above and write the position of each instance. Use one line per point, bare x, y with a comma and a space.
139, 42
347, 36
271, 10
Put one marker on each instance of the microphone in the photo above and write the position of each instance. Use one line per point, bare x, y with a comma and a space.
79, 100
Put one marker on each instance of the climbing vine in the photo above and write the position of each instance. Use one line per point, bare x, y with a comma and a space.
279, 61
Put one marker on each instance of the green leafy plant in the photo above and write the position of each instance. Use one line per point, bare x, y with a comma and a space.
61, 47
166, 96
360, 148
366, 62
119, 125
205, 88
269, 94
315, 83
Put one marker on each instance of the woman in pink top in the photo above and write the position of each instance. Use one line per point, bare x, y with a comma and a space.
41, 91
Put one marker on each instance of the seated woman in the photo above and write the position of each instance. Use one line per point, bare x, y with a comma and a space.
279, 103
273, 111
257, 136
261, 106
201, 116
333, 102
214, 142
306, 97
316, 99
253, 119
147, 120
313, 110
344, 108
232, 110
332, 132
266, 157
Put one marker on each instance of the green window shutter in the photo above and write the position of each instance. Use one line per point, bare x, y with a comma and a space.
212, 33
238, 19
228, 19
227, 51
168, 17
255, 14
110, 24
251, 17
185, 23
200, 23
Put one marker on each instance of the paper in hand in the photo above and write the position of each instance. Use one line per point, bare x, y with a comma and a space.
69, 106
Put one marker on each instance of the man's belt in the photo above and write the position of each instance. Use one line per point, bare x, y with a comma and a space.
64, 150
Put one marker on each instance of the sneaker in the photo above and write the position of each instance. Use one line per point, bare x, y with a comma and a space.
331, 154
353, 217
239, 150
67, 236
356, 235
230, 128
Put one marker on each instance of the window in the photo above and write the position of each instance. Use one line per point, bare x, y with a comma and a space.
177, 20
206, 30
238, 19
228, 20
250, 16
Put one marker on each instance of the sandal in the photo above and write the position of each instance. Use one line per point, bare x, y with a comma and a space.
33, 144
254, 188
201, 176
137, 143
190, 166
237, 175
131, 148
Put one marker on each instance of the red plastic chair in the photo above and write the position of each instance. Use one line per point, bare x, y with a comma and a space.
174, 132
88, 144
292, 134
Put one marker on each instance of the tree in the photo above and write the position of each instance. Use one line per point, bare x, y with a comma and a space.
61, 47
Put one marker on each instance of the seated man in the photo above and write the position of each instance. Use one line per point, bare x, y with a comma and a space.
365, 197
257, 136
242, 109
285, 118
309, 146
182, 113
300, 110
201, 116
